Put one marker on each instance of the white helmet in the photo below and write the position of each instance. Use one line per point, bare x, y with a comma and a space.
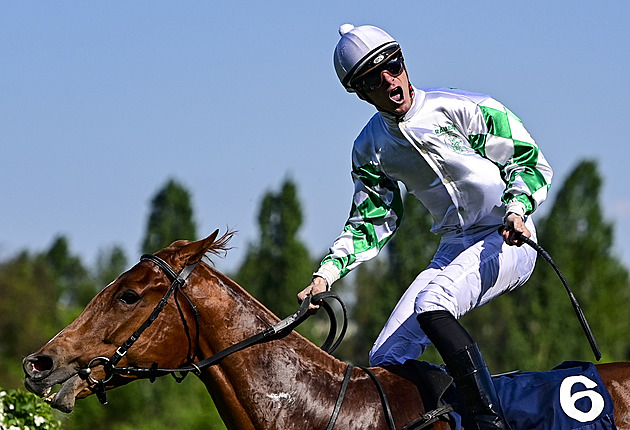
355, 49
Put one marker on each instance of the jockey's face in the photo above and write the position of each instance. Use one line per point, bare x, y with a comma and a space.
393, 95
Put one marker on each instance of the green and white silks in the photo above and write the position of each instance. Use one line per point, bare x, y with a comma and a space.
465, 156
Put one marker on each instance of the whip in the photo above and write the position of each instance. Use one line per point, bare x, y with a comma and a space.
574, 302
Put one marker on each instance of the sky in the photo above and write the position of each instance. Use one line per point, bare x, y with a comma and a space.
101, 103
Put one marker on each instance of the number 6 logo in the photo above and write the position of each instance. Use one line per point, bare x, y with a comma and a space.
568, 400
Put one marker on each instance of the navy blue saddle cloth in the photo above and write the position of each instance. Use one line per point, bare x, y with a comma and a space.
571, 396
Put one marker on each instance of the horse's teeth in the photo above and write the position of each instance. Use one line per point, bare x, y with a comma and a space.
47, 391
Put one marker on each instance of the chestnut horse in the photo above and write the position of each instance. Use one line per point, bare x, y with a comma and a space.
284, 383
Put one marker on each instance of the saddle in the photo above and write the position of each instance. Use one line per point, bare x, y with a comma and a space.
569, 396
434, 386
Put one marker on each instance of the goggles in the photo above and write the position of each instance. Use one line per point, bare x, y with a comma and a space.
392, 62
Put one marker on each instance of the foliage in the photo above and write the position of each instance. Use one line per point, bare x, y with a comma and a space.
278, 265
535, 328
171, 218
74, 284
141, 405
20, 410
581, 241
110, 264
28, 312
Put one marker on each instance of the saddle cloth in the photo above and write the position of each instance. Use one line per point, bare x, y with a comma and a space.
571, 396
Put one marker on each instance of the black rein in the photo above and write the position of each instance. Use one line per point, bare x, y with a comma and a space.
177, 282
276, 331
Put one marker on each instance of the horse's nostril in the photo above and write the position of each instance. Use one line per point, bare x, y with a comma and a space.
41, 363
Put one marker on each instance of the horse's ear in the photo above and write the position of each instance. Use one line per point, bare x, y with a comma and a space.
212, 237
194, 251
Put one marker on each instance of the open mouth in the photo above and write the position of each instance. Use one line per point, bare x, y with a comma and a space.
396, 95
63, 399
61, 386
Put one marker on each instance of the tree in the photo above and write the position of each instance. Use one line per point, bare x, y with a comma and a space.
580, 241
278, 266
171, 218
535, 327
74, 283
110, 264
28, 312
163, 404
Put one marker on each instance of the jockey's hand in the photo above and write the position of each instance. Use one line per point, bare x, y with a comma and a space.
317, 285
513, 225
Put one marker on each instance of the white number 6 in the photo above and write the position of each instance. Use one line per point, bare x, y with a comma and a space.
568, 400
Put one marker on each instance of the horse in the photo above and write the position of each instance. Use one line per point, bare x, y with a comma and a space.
284, 382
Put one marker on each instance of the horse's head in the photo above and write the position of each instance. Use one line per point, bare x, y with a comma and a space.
109, 320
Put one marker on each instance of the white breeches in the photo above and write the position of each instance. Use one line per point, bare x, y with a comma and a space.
467, 271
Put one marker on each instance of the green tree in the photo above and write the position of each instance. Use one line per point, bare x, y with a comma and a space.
28, 312
535, 328
278, 266
75, 285
110, 264
580, 240
171, 218
164, 404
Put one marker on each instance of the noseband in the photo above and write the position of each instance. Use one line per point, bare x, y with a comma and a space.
177, 282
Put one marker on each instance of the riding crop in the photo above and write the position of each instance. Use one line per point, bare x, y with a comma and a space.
576, 306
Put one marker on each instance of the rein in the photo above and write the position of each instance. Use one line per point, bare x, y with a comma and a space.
278, 330
178, 280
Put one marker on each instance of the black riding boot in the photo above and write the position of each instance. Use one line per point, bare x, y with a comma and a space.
467, 367
474, 384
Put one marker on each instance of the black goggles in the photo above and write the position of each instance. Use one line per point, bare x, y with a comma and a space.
371, 79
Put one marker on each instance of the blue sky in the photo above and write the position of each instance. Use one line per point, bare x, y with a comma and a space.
102, 102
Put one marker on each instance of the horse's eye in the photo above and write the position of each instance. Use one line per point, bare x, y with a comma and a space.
129, 297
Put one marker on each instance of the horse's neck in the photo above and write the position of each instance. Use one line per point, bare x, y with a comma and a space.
260, 387
266, 386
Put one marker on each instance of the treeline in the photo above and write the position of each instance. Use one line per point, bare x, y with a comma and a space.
533, 328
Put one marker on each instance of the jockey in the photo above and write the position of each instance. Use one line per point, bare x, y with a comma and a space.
473, 165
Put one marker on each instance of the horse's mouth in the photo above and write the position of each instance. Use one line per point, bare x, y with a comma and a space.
64, 398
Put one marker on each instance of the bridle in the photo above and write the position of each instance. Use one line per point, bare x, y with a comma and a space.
278, 330
178, 280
